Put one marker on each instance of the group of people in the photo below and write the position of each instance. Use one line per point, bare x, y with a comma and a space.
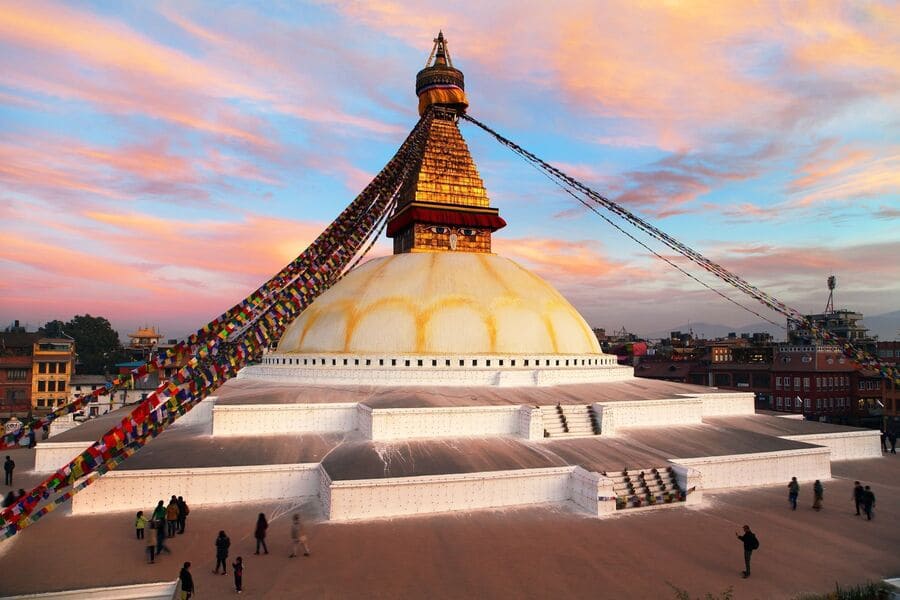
863, 496
164, 522
223, 545
794, 493
13, 497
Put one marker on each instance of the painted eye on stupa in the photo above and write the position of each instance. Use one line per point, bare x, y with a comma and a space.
467, 232
440, 230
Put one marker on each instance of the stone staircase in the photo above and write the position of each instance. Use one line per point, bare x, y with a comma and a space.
636, 488
573, 420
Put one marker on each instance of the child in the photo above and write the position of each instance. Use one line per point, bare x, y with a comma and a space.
140, 522
237, 567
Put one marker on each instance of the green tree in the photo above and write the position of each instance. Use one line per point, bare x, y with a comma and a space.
55, 328
96, 343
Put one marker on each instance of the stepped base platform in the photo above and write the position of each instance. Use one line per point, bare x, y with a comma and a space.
365, 452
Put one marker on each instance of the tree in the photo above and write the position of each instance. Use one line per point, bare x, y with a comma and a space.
55, 328
96, 343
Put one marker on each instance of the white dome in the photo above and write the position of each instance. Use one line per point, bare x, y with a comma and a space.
437, 303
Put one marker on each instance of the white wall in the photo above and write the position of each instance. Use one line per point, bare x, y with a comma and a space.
648, 413
50, 456
163, 590
846, 445
477, 370
142, 489
762, 468
450, 421
370, 498
263, 419
727, 404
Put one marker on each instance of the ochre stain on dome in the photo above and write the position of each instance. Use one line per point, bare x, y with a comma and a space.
433, 303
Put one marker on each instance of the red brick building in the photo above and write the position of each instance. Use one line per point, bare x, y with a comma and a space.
16, 358
817, 381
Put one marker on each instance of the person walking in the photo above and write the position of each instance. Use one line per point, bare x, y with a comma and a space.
298, 536
160, 530
187, 582
140, 523
883, 439
260, 534
819, 495
751, 543
172, 513
222, 546
868, 502
9, 466
858, 494
237, 567
152, 541
892, 438
183, 512
793, 492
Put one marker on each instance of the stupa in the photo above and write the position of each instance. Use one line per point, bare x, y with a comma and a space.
446, 377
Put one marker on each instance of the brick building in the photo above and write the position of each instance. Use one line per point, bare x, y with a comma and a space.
16, 349
814, 380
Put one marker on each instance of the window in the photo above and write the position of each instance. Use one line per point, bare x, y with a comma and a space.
526, 362
806, 383
818, 383
51, 367
42, 386
796, 383
488, 362
16, 374
818, 403
433, 363
778, 401
60, 386
42, 367
807, 403
778, 385
51, 386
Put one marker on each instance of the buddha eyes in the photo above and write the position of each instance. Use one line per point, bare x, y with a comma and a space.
442, 230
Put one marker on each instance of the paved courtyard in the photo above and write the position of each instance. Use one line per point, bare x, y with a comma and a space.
535, 552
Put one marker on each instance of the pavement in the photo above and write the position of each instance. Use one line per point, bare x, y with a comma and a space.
534, 552
251, 391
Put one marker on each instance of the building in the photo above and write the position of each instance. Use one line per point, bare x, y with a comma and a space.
16, 368
889, 353
814, 380
53, 360
142, 342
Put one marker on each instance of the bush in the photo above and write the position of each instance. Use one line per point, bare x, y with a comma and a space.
873, 590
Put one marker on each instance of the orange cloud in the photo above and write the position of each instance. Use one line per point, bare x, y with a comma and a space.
556, 258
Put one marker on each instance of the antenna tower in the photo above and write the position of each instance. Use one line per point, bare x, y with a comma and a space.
832, 283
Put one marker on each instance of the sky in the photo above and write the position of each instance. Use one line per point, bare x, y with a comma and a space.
159, 161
